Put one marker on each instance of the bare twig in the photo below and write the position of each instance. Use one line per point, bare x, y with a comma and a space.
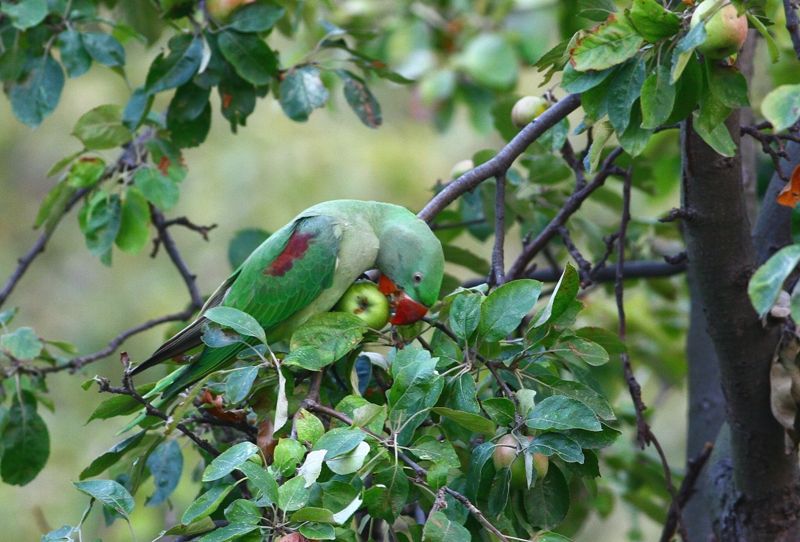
166, 239
644, 434
569, 207
186, 223
584, 266
693, 469
498, 258
503, 159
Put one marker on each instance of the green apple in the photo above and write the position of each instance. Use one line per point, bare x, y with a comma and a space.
508, 453
460, 168
367, 302
221, 9
726, 30
526, 109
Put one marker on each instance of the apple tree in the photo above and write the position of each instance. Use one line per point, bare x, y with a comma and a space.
514, 411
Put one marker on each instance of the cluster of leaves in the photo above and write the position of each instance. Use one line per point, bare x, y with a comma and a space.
409, 424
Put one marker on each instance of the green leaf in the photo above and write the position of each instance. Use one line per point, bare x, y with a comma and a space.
206, 504
26, 444
576, 350
325, 338
652, 21
256, 17
772, 45
562, 297
473, 422
580, 392
22, 343
239, 321
252, 59
609, 44
74, 57
86, 172
317, 515
199, 527
232, 531
560, 412
25, 13
108, 492
110, 457
351, 461
317, 531
557, 444
624, 88
481, 455
99, 221
490, 60
134, 228
388, 495
685, 49
498, 494
767, 282
62, 534
239, 382
593, 440
54, 205
439, 528
288, 454
428, 448
293, 495
717, 137
781, 107
36, 95
243, 511
102, 128
229, 460
547, 503
104, 48
309, 427
608, 340
465, 314
574, 81
360, 99
262, 481
602, 133
177, 68
339, 440
415, 389
500, 410
7, 316
159, 189
165, 463
635, 138
658, 98
728, 85
302, 91
503, 310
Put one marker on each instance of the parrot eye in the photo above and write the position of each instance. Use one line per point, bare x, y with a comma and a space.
417, 277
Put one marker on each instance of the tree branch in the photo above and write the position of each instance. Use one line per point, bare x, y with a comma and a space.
573, 203
503, 159
693, 469
165, 238
792, 25
498, 251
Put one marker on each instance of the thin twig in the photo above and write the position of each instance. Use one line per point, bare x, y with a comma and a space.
584, 266
573, 203
693, 469
172, 250
498, 258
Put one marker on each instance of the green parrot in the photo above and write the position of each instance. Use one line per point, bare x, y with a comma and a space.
305, 267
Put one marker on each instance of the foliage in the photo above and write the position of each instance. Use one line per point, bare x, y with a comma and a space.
346, 430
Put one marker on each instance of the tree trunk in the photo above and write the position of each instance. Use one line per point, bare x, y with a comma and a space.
721, 260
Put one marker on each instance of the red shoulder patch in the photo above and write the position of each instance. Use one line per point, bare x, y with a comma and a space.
295, 249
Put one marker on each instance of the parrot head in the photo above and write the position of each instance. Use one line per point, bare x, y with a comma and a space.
411, 263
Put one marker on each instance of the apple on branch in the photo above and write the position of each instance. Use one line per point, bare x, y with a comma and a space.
366, 301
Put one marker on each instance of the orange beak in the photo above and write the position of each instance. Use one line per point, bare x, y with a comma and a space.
404, 309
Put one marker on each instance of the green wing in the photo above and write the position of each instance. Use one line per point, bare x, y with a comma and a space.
282, 276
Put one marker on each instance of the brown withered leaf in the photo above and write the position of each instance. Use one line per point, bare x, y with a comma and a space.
790, 195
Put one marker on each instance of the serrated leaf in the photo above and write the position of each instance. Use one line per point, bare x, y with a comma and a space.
110, 493
607, 45
503, 310
293, 494
262, 481
558, 412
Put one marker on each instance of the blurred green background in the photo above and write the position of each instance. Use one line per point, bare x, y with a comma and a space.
260, 177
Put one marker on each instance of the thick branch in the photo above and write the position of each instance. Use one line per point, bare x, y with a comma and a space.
503, 159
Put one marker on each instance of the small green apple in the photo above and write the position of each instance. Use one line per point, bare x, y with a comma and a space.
221, 9
726, 30
367, 302
526, 109
508, 453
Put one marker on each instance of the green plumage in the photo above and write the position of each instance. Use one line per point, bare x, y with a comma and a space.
303, 269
